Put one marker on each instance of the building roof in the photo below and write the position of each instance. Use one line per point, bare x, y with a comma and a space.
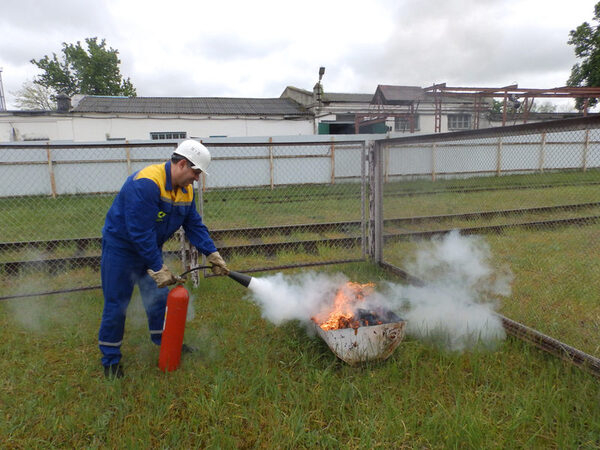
308, 98
190, 105
386, 94
347, 98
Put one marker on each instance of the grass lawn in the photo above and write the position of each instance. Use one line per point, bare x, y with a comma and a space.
555, 287
252, 384
74, 216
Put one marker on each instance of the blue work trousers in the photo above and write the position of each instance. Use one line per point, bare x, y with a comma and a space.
121, 270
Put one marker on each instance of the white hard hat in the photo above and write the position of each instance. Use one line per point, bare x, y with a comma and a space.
194, 152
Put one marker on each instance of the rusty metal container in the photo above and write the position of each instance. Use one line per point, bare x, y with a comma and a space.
365, 343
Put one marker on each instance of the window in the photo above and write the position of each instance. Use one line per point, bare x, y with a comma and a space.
36, 138
459, 121
156, 135
403, 123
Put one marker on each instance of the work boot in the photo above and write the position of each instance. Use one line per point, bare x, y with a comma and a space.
187, 349
114, 371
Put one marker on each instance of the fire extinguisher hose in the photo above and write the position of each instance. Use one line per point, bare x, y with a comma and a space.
241, 278
192, 269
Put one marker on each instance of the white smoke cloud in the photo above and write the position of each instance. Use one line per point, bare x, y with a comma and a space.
297, 297
454, 307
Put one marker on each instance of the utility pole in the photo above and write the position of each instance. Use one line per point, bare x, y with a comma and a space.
2, 100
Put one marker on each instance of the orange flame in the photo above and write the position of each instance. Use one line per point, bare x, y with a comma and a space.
341, 314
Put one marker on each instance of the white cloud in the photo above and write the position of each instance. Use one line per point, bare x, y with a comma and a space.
256, 49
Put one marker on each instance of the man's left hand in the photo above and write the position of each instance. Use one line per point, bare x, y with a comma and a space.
163, 277
218, 264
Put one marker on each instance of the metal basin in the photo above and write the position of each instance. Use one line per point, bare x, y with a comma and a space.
365, 343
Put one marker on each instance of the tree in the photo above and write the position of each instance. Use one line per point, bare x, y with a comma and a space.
512, 106
546, 107
34, 96
94, 71
498, 105
586, 39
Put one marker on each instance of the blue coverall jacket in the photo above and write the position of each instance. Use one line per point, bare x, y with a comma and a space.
145, 214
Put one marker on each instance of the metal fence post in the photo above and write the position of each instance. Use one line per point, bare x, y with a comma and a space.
363, 199
433, 155
271, 175
385, 158
332, 149
499, 157
195, 274
51, 170
375, 201
128, 156
586, 145
542, 152
189, 253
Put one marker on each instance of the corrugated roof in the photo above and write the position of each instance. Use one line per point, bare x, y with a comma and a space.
347, 98
190, 105
400, 94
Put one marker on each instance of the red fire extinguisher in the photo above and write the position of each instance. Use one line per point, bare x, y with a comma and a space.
172, 337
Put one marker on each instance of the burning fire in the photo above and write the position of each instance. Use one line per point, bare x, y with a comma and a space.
346, 302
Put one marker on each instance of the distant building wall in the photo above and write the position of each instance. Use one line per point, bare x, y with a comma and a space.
34, 127
58, 127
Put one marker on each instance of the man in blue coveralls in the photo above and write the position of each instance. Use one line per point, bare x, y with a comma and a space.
152, 204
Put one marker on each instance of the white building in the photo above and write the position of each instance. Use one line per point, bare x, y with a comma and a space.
93, 118
393, 110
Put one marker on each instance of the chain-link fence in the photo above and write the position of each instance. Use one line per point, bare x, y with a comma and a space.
267, 204
531, 194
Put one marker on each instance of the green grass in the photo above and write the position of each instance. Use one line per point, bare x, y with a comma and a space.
555, 287
73, 216
455, 203
525, 180
252, 385
65, 217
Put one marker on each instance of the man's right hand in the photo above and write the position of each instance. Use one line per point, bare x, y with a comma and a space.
218, 264
164, 277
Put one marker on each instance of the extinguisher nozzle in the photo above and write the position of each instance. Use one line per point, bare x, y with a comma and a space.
241, 278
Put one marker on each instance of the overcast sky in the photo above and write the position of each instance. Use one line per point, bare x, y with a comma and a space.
241, 48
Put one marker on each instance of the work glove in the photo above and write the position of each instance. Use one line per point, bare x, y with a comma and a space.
218, 264
163, 277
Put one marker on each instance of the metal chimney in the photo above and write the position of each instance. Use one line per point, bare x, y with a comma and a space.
63, 103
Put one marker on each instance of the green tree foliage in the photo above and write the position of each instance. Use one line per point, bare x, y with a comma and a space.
546, 107
497, 106
512, 108
91, 71
586, 39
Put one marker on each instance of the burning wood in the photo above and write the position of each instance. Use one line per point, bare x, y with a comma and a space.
358, 334
346, 312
